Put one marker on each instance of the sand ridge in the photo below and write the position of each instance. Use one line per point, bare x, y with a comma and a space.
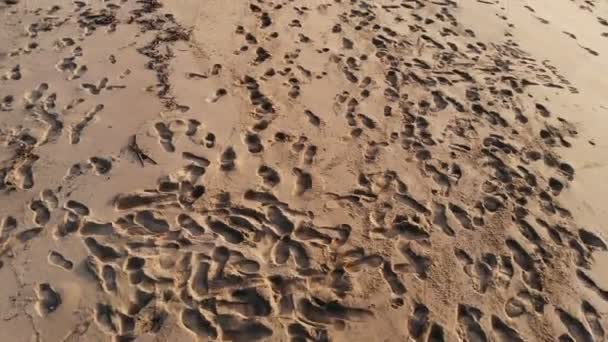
302, 171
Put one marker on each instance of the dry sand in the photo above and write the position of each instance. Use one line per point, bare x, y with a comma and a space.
303, 170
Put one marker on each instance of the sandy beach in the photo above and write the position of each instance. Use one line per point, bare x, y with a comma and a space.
305, 170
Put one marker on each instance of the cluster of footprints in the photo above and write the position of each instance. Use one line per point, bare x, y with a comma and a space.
470, 211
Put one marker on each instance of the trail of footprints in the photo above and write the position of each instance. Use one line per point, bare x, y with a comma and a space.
202, 248
244, 264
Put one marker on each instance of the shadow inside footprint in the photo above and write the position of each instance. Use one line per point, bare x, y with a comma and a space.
196, 323
242, 330
330, 312
48, 299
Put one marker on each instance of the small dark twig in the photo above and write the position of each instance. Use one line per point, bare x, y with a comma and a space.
141, 155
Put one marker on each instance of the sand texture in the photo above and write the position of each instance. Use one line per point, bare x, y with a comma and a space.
305, 170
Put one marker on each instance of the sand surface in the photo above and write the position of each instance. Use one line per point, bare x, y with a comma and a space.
303, 170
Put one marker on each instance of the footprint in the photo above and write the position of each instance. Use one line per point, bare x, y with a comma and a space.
297, 146
198, 160
197, 324
32, 97
227, 159
491, 203
13, 74
9, 224
190, 225
229, 234
440, 178
152, 221
210, 140
367, 261
7, 103
531, 276
216, 69
303, 181
521, 256
49, 198
420, 263
281, 224
590, 51
408, 230
166, 136
95, 89
126, 324
217, 95
270, 177
243, 224
77, 129
367, 121
300, 254
28, 234
57, 259
306, 232
51, 119
484, 275
219, 256
580, 252
465, 259
101, 165
462, 216
529, 232
134, 263
576, 329
235, 329
66, 64
329, 312
312, 118
78, 72
340, 282
436, 334
593, 319
48, 299
565, 338
77, 208
514, 307
142, 200
70, 224
166, 185
280, 251
392, 279
94, 228
591, 240
23, 174
248, 303
440, 219
108, 276
42, 215
412, 203
298, 332
309, 155
468, 318
261, 197
193, 126
139, 300
103, 253
105, 317
248, 266
253, 142
418, 323
504, 332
